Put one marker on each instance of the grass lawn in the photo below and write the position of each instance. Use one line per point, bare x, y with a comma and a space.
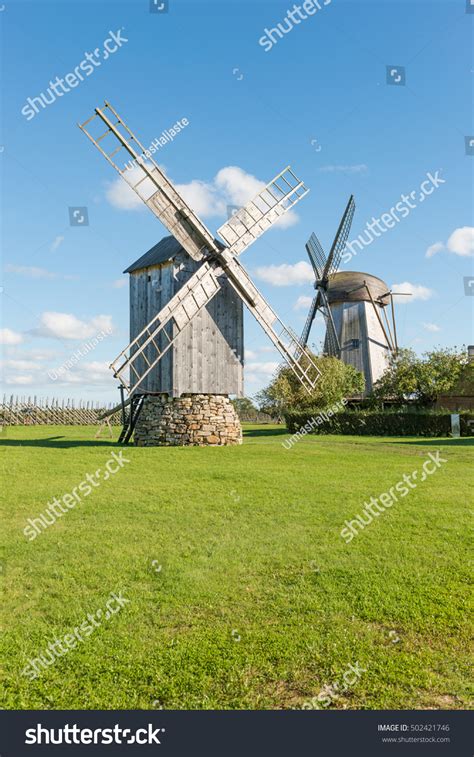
242, 593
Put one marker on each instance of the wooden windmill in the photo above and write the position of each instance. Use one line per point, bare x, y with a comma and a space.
353, 305
215, 264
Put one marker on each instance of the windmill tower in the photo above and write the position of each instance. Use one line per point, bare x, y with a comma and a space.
216, 331
354, 307
167, 326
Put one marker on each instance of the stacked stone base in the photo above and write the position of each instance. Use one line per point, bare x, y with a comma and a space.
191, 420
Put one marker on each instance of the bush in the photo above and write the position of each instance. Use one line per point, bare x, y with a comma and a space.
378, 423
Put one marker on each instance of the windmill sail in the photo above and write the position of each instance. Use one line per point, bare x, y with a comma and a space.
150, 183
274, 200
339, 244
316, 255
309, 321
324, 267
287, 343
163, 330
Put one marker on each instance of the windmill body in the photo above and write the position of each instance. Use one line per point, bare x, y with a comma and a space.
207, 356
354, 306
362, 339
174, 306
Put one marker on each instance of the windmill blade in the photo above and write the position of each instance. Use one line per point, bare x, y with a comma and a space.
309, 321
150, 183
267, 207
194, 295
146, 350
316, 255
334, 257
286, 342
331, 343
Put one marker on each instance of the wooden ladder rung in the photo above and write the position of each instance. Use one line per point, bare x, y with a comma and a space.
115, 151
88, 120
103, 135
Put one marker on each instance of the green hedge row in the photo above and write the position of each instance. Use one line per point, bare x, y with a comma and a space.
378, 423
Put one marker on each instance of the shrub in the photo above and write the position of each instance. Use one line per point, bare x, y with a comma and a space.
378, 423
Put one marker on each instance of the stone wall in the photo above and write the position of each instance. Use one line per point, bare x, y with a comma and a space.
189, 420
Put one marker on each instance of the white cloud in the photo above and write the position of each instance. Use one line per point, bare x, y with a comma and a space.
87, 373
19, 380
119, 283
267, 369
286, 274
433, 249
250, 355
21, 365
7, 336
461, 242
68, 326
32, 272
357, 168
56, 243
20, 353
417, 291
303, 302
230, 186
431, 327
203, 198
123, 197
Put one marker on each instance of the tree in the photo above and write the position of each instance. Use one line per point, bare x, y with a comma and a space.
421, 379
244, 406
337, 381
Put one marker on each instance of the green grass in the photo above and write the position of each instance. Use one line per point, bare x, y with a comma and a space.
259, 602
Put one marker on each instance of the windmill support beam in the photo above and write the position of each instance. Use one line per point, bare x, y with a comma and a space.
394, 323
378, 317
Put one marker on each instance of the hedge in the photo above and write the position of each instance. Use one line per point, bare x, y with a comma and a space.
379, 423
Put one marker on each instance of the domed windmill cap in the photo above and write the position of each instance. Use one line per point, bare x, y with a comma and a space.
354, 286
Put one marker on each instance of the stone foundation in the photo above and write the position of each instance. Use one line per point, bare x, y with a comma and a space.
190, 420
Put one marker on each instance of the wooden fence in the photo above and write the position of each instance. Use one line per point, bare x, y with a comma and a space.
30, 411
258, 417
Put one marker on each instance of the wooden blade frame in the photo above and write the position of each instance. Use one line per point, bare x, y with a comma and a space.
158, 193
316, 255
309, 321
152, 185
272, 202
334, 257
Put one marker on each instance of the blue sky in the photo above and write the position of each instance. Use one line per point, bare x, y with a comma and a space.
317, 100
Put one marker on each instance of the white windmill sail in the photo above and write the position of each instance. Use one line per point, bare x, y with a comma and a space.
158, 193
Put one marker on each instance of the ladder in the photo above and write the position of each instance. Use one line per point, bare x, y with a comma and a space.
284, 339
251, 221
163, 330
150, 183
136, 405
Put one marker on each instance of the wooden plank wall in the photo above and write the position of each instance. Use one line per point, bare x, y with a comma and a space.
207, 357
